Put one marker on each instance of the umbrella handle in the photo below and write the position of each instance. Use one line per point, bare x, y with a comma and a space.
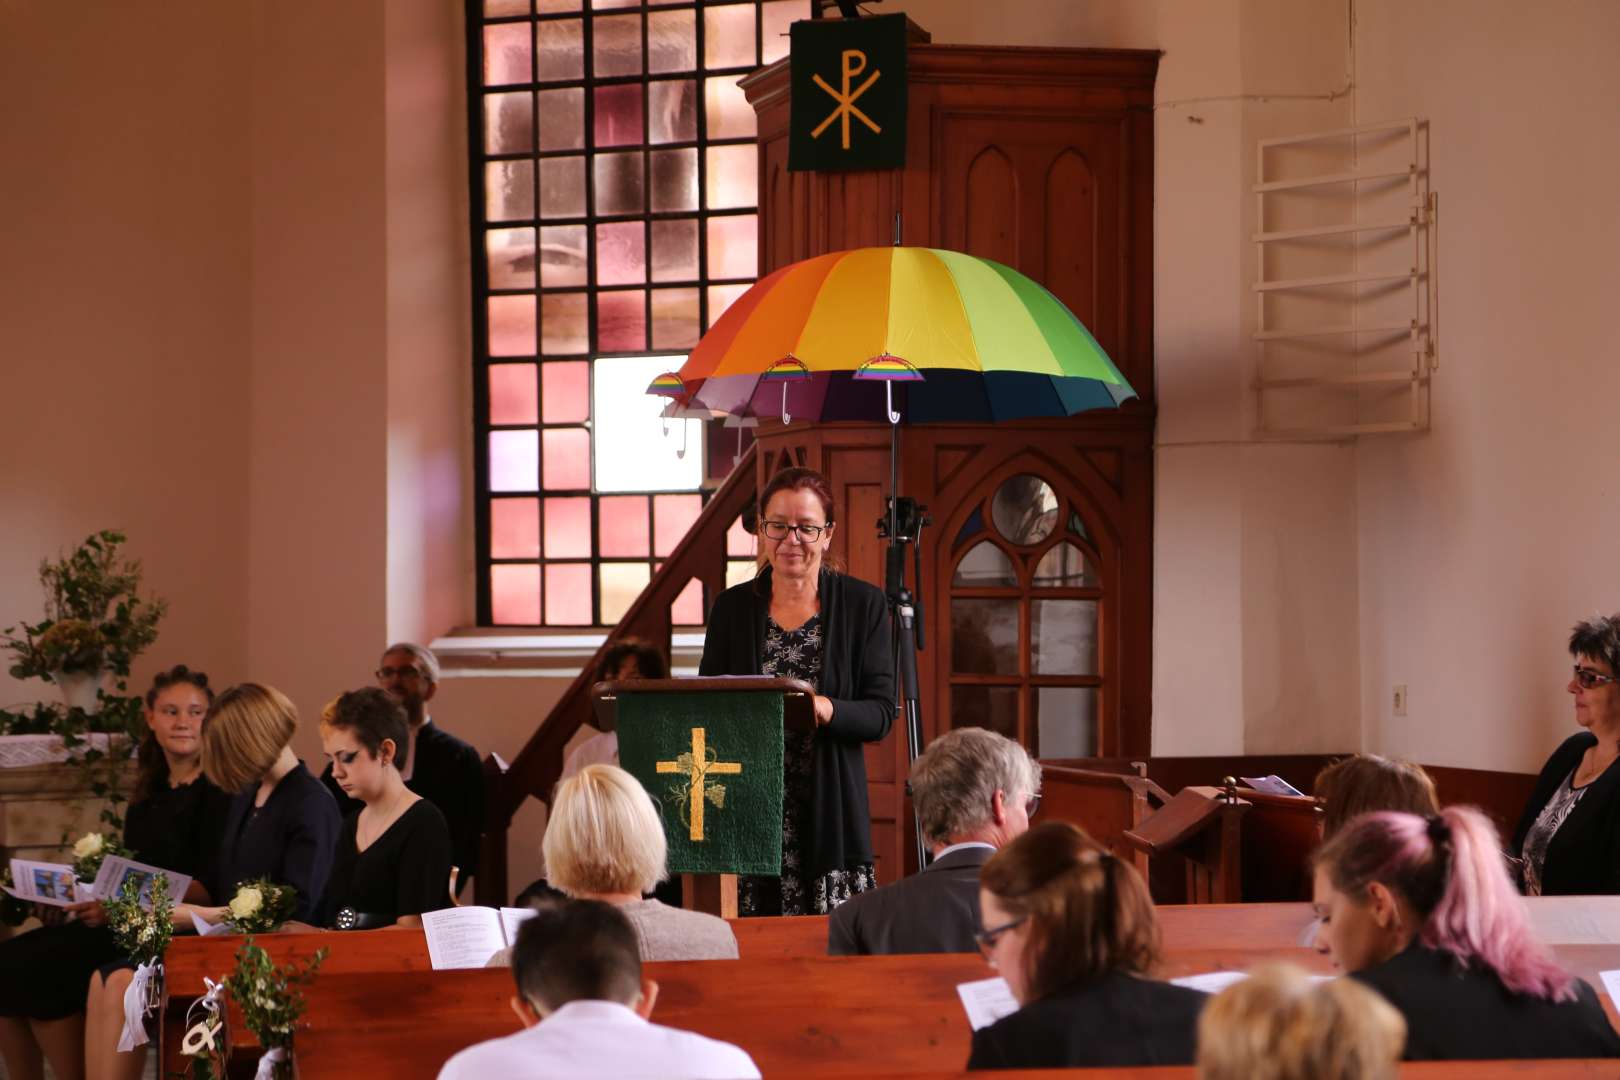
737, 457
888, 400
787, 417
685, 430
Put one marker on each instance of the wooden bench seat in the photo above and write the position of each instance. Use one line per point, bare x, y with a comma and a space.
823, 1016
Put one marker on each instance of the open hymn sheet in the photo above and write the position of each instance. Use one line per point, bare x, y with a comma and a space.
53, 884
466, 937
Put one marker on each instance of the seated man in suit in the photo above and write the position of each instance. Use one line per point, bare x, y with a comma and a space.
974, 791
441, 768
584, 1006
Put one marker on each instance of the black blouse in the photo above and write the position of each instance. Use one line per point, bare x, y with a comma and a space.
1463, 1013
405, 871
177, 828
857, 674
1116, 1020
289, 840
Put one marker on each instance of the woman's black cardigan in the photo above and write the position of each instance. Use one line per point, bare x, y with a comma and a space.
1584, 854
857, 673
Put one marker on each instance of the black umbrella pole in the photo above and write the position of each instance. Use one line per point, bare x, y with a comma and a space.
905, 653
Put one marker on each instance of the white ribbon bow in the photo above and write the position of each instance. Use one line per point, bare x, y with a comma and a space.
267, 1063
135, 1006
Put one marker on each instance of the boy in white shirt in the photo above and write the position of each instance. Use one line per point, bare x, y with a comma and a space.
584, 1006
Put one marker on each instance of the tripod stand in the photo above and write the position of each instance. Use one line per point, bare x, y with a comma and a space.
902, 525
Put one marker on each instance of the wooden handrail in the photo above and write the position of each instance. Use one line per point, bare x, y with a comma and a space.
701, 554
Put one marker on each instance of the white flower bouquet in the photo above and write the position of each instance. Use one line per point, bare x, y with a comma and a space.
90, 850
260, 907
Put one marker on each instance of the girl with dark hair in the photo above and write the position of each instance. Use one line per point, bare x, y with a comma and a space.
800, 619
393, 854
1423, 911
172, 823
1072, 930
626, 659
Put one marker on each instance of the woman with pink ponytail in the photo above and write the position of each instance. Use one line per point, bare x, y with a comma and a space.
1423, 911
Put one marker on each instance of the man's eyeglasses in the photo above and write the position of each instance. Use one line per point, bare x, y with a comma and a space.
386, 673
778, 530
1587, 679
987, 938
1032, 805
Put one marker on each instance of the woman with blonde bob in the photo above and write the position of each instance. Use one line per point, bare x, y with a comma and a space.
605, 841
1280, 1024
282, 823
1072, 930
1423, 911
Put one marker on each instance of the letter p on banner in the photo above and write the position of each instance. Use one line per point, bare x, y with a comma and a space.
849, 94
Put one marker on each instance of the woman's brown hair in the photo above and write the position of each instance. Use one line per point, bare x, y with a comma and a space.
1089, 914
246, 730
152, 767
1368, 782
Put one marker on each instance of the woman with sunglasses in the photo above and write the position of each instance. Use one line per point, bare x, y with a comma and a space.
1568, 839
1072, 930
799, 619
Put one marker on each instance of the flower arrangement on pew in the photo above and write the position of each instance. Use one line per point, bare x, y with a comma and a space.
272, 1000
142, 928
207, 1042
260, 906
91, 850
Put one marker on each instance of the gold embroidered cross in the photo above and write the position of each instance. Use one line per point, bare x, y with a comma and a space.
699, 766
853, 63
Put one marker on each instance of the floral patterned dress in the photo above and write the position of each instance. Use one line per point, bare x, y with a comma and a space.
796, 654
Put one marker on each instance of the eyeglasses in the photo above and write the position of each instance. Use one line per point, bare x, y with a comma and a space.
1587, 679
386, 673
987, 938
778, 530
1033, 805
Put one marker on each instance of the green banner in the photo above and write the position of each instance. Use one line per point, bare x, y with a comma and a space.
848, 105
713, 764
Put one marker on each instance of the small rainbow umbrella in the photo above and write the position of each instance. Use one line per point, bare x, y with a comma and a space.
951, 336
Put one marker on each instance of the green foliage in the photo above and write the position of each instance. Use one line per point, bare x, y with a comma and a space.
271, 998
95, 618
142, 934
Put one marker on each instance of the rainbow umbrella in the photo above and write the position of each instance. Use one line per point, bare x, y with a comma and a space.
951, 336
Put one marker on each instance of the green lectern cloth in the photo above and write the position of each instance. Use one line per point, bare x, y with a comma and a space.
713, 764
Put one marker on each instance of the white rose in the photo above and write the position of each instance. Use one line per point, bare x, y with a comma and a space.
89, 844
246, 902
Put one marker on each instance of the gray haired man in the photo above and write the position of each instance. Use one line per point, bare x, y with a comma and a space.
973, 791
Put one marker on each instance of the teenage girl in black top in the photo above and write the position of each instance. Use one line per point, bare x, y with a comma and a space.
172, 822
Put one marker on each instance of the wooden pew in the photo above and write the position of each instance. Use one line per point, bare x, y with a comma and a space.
838, 1016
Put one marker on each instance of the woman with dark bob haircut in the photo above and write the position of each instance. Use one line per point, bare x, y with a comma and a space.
393, 854
1568, 839
800, 619
1072, 930
1423, 911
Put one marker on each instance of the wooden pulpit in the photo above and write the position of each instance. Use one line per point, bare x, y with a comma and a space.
1203, 826
693, 757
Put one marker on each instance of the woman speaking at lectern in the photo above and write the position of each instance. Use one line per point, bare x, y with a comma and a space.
798, 619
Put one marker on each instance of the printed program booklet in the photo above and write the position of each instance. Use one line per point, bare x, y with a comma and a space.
466, 937
53, 883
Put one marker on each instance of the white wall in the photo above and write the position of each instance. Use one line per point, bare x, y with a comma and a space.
1483, 541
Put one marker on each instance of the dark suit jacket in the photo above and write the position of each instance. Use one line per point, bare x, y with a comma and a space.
1584, 855
449, 774
1465, 1013
290, 840
1118, 1020
857, 673
934, 911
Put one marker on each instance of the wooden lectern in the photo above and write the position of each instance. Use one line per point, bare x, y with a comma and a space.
715, 893
1202, 825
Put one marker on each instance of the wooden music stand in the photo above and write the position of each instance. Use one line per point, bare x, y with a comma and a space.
712, 893
1203, 826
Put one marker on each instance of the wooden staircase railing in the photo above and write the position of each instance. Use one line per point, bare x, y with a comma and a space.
701, 554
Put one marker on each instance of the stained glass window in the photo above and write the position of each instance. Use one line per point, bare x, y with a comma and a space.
615, 193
